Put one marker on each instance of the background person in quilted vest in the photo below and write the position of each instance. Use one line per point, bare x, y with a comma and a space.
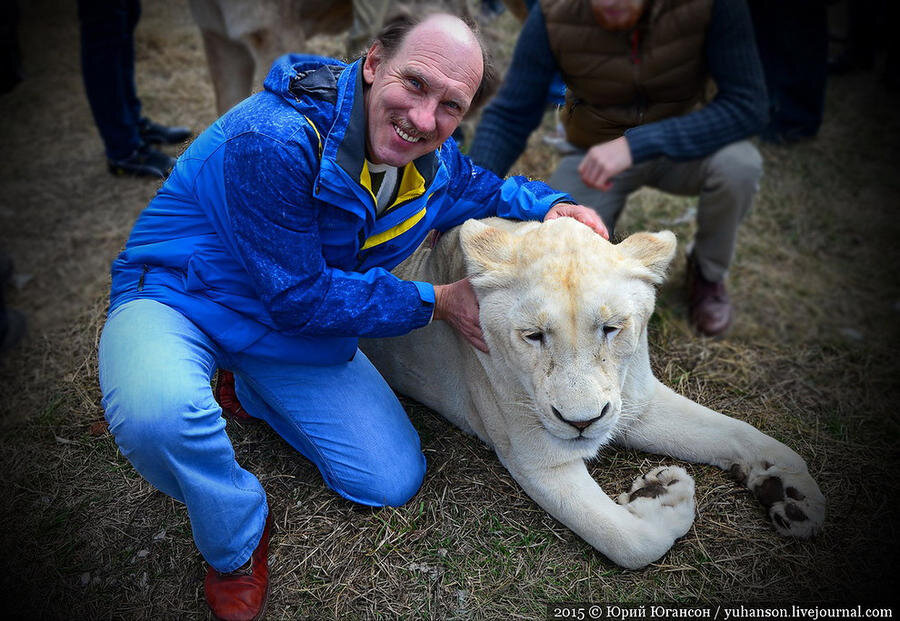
636, 72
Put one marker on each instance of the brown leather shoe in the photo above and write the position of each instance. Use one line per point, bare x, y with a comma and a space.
708, 304
241, 595
227, 397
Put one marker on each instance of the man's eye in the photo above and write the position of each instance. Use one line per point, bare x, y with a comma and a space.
452, 105
414, 83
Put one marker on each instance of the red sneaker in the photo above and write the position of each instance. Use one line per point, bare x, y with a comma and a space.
227, 397
241, 595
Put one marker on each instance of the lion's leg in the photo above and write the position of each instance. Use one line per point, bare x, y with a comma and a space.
231, 69
266, 44
637, 531
671, 424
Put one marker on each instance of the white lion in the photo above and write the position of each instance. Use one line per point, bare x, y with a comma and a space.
564, 313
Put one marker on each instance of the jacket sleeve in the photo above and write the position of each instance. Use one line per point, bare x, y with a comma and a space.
740, 107
517, 110
474, 192
273, 223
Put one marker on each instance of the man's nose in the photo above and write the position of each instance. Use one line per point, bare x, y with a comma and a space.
423, 116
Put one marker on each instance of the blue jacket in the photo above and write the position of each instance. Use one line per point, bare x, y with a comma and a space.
265, 233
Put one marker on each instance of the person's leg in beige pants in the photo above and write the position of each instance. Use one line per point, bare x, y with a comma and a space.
725, 183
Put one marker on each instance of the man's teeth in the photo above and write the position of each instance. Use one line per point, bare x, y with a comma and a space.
405, 136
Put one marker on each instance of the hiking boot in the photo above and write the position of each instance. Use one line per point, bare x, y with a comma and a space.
154, 133
241, 595
708, 305
226, 397
143, 162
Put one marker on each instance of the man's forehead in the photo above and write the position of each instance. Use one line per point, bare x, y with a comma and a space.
445, 26
443, 37
443, 45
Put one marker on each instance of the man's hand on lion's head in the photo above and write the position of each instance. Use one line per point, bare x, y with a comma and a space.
457, 305
585, 215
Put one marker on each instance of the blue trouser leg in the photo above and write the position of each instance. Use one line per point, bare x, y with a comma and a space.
134, 104
343, 418
155, 369
107, 65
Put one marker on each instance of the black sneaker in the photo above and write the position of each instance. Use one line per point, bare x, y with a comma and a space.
143, 162
154, 133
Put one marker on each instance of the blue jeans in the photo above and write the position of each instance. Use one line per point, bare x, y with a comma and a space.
155, 371
107, 68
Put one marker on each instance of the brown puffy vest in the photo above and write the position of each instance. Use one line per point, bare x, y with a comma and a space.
617, 80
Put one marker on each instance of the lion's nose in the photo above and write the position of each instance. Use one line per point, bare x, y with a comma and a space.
581, 425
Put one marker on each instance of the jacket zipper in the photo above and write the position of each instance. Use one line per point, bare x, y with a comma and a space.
362, 237
144, 269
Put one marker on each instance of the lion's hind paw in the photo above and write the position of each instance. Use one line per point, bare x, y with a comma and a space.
796, 506
664, 492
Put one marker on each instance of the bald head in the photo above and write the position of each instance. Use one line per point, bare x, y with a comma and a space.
449, 27
447, 40
450, 30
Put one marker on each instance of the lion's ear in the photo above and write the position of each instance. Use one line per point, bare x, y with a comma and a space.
487, 250
652, 250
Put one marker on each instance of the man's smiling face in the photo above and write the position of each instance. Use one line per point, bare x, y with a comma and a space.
418, 96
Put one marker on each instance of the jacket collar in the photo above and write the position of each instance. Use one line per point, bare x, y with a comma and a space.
327, 91
346, 142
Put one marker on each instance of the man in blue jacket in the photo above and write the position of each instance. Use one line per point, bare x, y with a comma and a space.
267, 252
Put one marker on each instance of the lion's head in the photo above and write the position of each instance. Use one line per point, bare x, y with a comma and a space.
564, 313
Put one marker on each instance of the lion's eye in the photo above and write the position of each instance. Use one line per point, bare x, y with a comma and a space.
536, 337
610, 331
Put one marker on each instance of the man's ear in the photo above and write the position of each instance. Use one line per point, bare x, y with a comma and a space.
654, 251
487, 250
374, 57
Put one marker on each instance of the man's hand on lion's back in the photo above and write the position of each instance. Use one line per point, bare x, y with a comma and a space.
585, 215
457, 305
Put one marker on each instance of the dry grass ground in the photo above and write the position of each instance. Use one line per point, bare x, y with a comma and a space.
812, 361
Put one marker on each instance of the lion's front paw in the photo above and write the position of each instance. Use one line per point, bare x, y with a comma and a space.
666, 494
796, 506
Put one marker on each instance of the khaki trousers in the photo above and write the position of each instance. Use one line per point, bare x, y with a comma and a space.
725, 182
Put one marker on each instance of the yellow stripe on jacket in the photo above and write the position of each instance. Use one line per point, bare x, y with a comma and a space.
394, 231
